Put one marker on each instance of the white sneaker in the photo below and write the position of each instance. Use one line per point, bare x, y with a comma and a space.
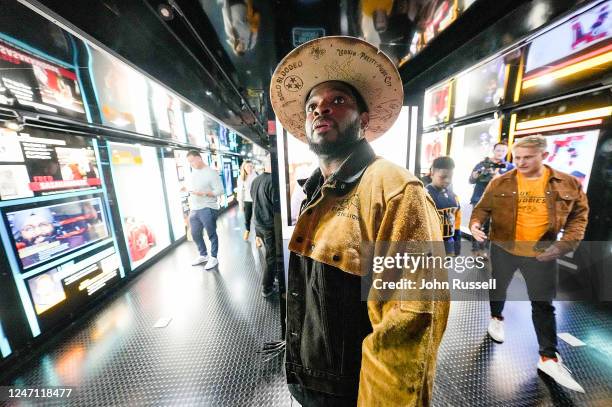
496, 330
212, 262
199, 260
560, 373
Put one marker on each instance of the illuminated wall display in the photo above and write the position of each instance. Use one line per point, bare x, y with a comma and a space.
393, 145
168, 112
470, 144
436, 104
433, 145
583, 47
35, 162
480, 89
143, 213
174, 164
31, 83
121, 93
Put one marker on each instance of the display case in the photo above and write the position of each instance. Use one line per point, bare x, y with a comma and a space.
433, 145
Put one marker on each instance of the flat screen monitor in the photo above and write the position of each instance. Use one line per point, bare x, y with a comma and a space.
48, 231
481, 88
35, 162
33, 83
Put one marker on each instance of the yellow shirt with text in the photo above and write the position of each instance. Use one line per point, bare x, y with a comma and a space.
532, 213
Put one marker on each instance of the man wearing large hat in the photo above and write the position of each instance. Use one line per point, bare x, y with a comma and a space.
337, 94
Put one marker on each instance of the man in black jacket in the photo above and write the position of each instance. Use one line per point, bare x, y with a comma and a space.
262, 192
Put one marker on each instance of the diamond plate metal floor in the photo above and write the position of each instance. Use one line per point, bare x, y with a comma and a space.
207, 354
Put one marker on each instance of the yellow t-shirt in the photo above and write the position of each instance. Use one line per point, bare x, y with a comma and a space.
532, 213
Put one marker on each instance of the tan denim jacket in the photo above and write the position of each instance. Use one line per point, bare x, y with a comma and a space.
388, 204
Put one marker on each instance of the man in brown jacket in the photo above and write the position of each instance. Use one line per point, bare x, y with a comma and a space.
529, 207
336, 93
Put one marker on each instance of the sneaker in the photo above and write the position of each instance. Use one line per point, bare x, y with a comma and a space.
559, 373
199, 260
212, 262
496, 330
267, 293
246, 234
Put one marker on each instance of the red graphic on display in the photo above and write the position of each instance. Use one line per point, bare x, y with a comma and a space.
594, 33
568, 143
47, 183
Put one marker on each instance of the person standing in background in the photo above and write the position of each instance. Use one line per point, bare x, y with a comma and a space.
245, 201
262, 192
204, 189
446, 202
481, 175
537, 215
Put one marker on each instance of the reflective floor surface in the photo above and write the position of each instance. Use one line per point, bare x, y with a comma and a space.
207, 354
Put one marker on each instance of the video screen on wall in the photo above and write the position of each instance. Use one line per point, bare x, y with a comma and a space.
580, 52
125, 110
141, 204
436, 105
174, 164
194, 126
573, 153
470, 144
65, 288
168, 111
46, 232
36, 162
228, 177
481, 88
433, 145
32, 83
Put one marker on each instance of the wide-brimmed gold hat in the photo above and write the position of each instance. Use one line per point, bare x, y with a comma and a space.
337, 58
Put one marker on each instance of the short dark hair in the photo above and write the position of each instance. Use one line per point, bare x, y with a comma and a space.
443, 163
362, 106
501, 143
194, 153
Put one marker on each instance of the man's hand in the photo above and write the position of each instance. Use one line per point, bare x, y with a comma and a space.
552, 253
478, 234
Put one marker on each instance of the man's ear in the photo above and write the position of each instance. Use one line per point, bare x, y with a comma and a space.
364, 118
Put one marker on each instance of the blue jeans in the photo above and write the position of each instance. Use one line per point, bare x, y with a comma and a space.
200, 219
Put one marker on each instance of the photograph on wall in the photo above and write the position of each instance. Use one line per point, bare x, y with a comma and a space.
481, 88
141, 204
30, 82
436, 105
46, 290
52, 162
433, 145
227, 177
46, 232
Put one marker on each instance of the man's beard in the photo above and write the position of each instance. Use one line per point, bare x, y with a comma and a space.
343, 144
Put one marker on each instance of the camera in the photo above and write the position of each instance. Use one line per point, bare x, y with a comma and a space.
488, 169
